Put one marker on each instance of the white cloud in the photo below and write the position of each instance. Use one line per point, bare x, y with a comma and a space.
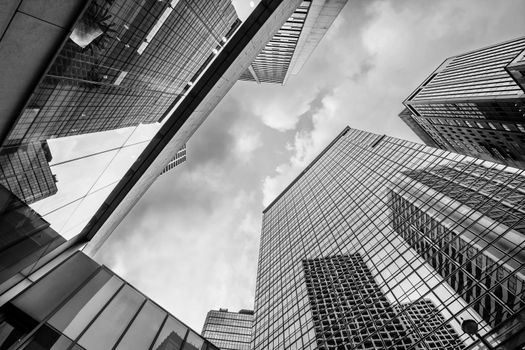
246, 143
305, 147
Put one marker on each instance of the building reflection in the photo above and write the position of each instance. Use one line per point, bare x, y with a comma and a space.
25, 171
124, 65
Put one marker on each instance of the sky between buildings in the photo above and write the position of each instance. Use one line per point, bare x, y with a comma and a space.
191, 243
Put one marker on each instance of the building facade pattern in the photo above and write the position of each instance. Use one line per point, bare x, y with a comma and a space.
350, 311
499, 294
347, 305
423, 318
124, 64
474, 104
292, 45
179, 158
341, 205
229, 330
25, 171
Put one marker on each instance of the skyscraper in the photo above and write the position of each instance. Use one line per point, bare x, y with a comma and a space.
103, 174
229, 330
25, 171
474, 104
292, 45
335, 219
124, 65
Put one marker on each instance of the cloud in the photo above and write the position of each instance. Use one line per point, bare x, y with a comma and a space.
246, 142
305, 147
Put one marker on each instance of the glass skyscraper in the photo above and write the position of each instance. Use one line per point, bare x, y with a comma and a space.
346, 263
474, 104
124, 64
229, 330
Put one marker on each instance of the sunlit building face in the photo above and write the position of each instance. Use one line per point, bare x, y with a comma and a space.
387, 235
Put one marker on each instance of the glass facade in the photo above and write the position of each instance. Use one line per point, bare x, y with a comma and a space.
103, 99
229, 330
345, 263
82, 305
474, 104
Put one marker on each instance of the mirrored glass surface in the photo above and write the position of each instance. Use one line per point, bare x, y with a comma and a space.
108, 326
112, 85
39, 300
144, 328
171, 336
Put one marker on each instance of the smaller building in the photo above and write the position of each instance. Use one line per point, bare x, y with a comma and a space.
179, 158
294, 42
229, 330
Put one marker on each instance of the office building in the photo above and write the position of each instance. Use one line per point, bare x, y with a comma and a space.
340, 208
124, 64
179, 158
292, 45
229, 330
474, 104
25, 171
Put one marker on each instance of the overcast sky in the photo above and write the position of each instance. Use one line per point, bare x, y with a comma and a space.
191, 243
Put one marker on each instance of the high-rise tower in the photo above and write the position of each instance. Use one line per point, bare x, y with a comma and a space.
180, 157
474, 104
124, 65
229, 330
292, 45
340, 208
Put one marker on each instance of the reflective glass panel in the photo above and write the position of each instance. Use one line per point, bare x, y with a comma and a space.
47, 338
107, 93
48, 292
193, 342
144, 328
171, 336
92, 307
109, 325
68, 312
